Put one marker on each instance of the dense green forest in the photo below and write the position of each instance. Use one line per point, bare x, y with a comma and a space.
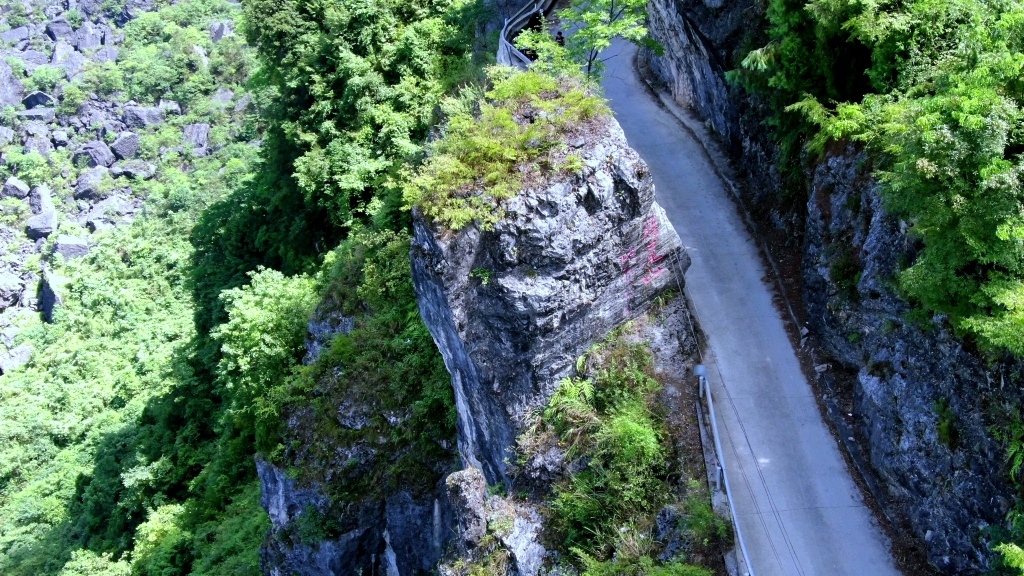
127, 441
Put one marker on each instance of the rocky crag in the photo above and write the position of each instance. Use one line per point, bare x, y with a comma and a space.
95, 151
923, 406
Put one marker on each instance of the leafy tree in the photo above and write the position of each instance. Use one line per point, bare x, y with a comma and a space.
594, 24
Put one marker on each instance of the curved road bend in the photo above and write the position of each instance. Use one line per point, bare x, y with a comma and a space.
798, 507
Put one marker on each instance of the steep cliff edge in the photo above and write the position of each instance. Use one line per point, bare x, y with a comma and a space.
922, 404
512, 308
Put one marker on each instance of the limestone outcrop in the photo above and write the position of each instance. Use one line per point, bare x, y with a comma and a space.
513, 307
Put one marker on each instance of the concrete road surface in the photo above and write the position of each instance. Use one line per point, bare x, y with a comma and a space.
797, 506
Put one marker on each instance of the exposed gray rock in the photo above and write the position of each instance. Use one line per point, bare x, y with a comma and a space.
88, 37
61, 52
949, 491
33, 59
71, 247
325, 325
38, 114
74, 65
105, 54
467, 493
39, 200
40, 144
10, 288
6, 135
41, 225
37, 99
14, 35
222, 96
195, 135
200, 53
59, 28
90, 7
218, 30
60, 138
243, 104
51, 296
92, 154
137, 169
45, 220
88, 184
126, 145
11, 88
143, 116
572, 260
15, 187
170, 107
15, 358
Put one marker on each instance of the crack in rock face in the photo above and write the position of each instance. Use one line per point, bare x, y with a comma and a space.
511, 308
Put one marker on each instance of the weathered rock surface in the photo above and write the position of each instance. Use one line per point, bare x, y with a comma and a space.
45, 220
15, 358
11, 88
946, 495
951, 490
126, 145
70, 247
37, 99
143, 116
15, 188
573, 259
94, 154
88, 184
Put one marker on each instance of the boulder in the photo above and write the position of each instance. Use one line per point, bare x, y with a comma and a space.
40, 144
88, 185
105, 54
222, 96
74, 65
59, 28
218, 30
10, 288
88, 37
11, 88
70, 247
14, 187
135, 169
170, 107
6, 135
61, 52
40, 114
37, 99
60, 138
143, 116
467, 494
40, 201
15, 358
93, 154
14, 35
195, 135
50, 294
41, 225
33, 59
126, 145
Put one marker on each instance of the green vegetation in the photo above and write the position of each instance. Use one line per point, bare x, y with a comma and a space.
934, 89
608, 422
523, 123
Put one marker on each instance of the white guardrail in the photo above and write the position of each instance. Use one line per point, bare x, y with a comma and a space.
705, 394
508, 54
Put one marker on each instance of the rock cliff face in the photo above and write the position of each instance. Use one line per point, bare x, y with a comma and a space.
512, 308
922, 403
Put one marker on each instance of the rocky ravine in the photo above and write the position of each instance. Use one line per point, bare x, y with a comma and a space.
907, 379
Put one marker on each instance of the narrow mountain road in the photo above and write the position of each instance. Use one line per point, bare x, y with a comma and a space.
797, 505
